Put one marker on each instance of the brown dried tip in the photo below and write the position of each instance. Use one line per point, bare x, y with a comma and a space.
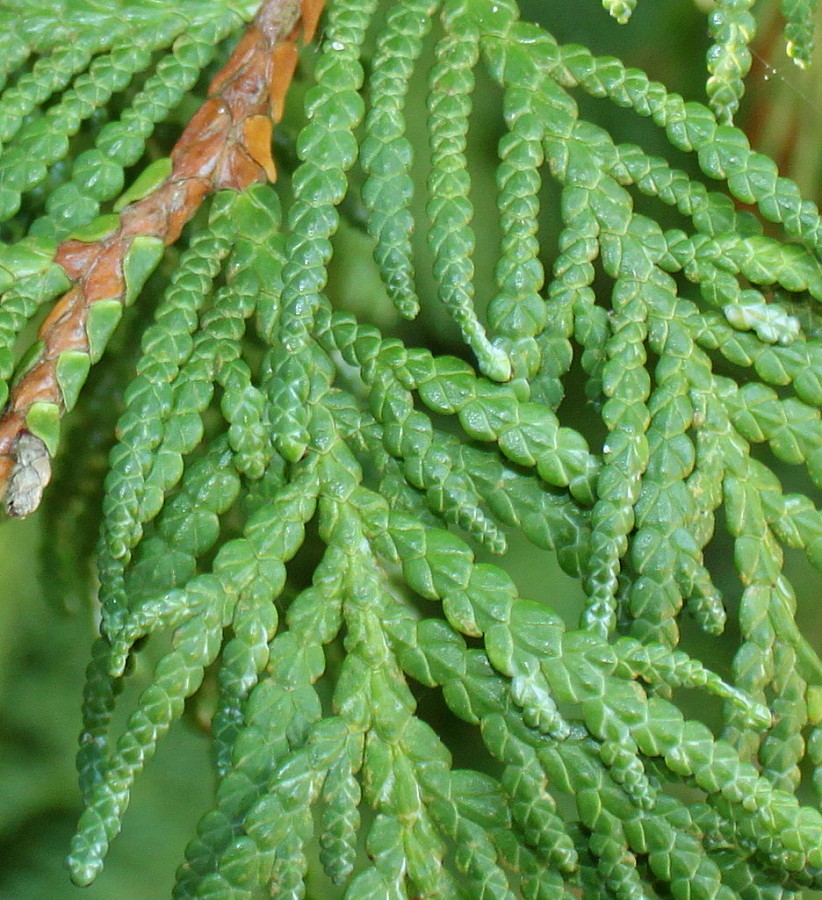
30, 474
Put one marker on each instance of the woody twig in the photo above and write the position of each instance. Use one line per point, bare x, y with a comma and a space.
227, 145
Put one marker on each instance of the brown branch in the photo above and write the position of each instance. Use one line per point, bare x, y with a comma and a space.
227, 145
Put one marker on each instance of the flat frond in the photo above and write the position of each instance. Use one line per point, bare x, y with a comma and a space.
301, 506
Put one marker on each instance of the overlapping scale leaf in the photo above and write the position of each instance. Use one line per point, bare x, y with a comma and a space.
791, 428
584, 742
626, 415
97, 173
527, 433
222, 857
189, 524
658, 665
44, 141
328, 149
386, 151
796, 364
517, 313
723, 151
176, 676
427, 463
149, 402
341, 821
49, 75
732, 27
674, 511
246, 575
395, 741
39, 144
451, 237
13, 52
36, 281
244, 657
799, 29
783, 749
442, 568
279, 710
676, 854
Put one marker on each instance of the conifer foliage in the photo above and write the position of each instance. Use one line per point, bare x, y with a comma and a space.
258, 413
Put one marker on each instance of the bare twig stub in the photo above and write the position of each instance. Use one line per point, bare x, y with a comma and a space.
226, 145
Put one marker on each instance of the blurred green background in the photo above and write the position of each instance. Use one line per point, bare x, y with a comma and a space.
44, 646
